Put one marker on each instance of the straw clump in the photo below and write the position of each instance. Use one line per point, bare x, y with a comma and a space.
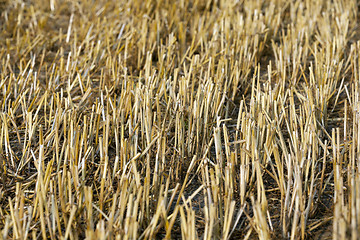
179, 119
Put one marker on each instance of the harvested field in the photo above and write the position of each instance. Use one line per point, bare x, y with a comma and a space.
179, 119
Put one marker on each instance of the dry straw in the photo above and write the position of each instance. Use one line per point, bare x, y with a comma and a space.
179, 119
